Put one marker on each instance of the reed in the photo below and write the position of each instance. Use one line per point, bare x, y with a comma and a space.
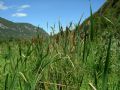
66, 61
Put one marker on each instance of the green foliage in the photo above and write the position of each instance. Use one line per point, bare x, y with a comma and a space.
72, 60
69, 63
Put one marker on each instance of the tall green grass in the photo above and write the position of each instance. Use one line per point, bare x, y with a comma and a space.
71, 60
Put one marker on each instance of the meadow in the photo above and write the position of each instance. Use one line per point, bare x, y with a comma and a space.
68, 61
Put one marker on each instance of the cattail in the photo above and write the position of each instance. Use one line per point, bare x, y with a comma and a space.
74, 37
67, 31
57, 39
61, 31
48, 49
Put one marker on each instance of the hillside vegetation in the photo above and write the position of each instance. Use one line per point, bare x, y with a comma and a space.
107, 19
11, 30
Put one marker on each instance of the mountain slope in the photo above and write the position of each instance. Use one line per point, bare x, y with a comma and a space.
9, 29
107, 19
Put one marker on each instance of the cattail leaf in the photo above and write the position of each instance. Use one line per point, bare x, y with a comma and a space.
108, 20
23, 77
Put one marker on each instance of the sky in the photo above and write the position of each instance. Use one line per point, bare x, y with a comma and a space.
47, 12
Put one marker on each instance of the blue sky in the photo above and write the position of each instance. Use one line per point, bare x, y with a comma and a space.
39, 12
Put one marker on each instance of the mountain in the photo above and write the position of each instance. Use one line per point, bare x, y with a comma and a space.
106, 19
9, 30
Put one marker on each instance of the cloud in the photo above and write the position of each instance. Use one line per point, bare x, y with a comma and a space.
19, 15
19, 9
25, 6
3, 6
22, 7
